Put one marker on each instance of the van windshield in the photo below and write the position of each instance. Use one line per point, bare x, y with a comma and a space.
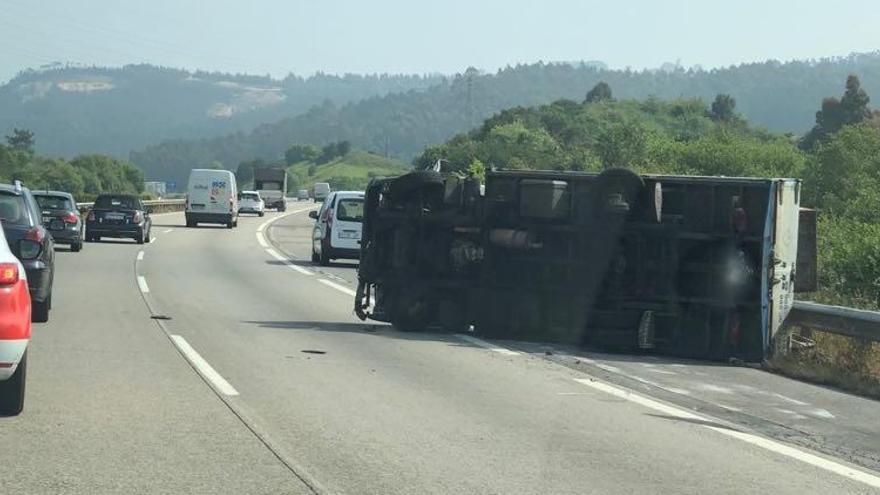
350, 210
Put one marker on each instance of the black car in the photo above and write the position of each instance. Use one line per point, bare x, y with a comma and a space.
61, 217
31, 243
118, 215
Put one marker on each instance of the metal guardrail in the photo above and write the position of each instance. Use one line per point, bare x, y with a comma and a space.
839, 320
157, 205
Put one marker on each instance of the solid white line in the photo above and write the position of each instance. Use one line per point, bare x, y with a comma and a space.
299, 269
202, 366
142, 284
486, 345
289, 263
279, 217
764, 443
140, 256
261, 239
167, 231
340, 288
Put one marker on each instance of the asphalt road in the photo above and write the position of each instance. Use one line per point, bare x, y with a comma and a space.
259, 379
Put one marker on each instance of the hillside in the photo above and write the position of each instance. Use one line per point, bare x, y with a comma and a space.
352, 171
783, 97
87, 110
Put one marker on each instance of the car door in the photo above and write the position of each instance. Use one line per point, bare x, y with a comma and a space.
320, 229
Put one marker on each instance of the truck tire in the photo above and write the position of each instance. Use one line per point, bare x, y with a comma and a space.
12, 390
413, 311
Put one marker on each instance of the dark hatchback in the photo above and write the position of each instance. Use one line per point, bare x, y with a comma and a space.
118, 215
61, 217
31, 243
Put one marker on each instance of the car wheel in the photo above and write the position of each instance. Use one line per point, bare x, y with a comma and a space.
229, 224
235, 223
190, 223
40, 310
315, 257
12, 390
76, 246
140, 238
261, 213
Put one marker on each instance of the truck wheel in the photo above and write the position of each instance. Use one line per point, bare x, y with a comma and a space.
12, 390
412, 314
40, 310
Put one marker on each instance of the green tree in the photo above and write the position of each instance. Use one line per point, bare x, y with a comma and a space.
21, 140
300, 153
622, 145
343, 148
852, 108
477, 170
723, 108
600, 92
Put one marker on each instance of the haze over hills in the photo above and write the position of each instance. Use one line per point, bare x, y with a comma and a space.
74, 110
783, 97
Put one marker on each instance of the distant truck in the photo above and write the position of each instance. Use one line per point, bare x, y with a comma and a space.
692, 266
271, 183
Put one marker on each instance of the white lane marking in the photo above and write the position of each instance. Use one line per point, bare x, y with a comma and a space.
821, 413
299, 269
262, 240
142, 284
265, 224
609, 368
166, 231
764, 443
289, 263
789, 399
153, 240
340, 288
709, 387
487, 345
203, 368
140, 256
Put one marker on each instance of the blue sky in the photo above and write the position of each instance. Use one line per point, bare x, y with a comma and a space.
280, 36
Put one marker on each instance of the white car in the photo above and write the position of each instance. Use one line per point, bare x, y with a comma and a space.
337, 232
251, 202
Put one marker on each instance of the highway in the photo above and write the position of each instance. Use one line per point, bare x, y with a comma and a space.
224, 361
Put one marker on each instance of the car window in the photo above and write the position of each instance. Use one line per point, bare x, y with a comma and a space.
350, 210
128, 202
54, 202
13, 210
250, 196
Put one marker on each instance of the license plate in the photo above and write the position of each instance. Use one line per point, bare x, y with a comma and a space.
349, 234
47, 219
56, 225
115, 216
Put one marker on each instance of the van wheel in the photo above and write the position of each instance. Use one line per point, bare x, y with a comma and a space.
229, 224
12, 390
325, 257
40, 310
315, 258
190, 223
235, 223
261, 213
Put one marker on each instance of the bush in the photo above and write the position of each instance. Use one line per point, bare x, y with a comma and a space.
849, 259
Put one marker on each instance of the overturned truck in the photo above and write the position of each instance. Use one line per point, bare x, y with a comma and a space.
690, 266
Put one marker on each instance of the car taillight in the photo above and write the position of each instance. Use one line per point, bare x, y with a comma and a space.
69, 217
138, 217
35, 234
8, 273
91, 216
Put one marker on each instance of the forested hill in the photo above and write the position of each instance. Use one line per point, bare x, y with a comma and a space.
89, 110
783, 97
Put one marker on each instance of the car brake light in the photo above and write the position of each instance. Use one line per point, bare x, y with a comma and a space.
8, 273
35, 234
138, 217
69, 217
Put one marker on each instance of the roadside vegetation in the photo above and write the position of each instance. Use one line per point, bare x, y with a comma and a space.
85, 176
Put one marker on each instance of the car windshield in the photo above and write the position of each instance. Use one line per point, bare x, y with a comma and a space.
121, 202
13, 210
350, 210
54, 202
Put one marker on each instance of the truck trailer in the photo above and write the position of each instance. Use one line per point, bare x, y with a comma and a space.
690, 266
271, 183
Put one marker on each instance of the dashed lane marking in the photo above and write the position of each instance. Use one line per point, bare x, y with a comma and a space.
487, 345
142, 284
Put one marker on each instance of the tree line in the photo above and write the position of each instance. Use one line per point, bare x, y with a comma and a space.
85, 176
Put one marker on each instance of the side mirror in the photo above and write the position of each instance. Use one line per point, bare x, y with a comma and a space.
313, 214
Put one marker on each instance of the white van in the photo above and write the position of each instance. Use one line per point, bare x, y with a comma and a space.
337, 232
211, 197
322, 190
